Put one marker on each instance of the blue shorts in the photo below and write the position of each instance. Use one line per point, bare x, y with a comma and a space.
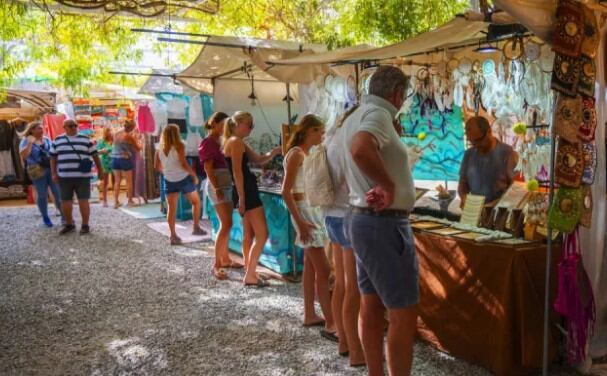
184, 186
337, 231
122, 164
385, 258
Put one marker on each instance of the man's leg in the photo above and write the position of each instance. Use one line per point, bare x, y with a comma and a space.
371, 331
401, 333
85, 211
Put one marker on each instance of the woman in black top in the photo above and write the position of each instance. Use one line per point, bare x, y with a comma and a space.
246, 196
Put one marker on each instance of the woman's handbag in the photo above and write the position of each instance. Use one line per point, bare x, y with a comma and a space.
35, 171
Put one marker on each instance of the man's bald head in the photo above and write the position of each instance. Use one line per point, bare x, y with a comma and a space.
480, 123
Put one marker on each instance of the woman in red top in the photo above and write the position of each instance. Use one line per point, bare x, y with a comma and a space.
218, 189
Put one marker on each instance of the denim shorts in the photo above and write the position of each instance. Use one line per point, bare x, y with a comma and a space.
337, 231
184, 186
386, 261
122, 164
211, 194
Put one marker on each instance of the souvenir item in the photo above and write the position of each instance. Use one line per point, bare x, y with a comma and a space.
513, 49
566, 209
532, 51
488, 67
566, 74
569, 28
547, 59
590, 41
465, 65
590, 160
569, 164
568, 117
587, 76
586, 217
588, 124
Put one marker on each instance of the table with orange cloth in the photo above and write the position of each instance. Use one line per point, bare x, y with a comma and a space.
484, 302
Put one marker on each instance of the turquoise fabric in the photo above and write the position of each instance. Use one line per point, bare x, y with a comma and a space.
278, 250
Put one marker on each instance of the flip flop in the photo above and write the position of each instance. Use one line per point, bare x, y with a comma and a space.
328, 335
344, 354
220, 273
235, 265
259, 284
315, 323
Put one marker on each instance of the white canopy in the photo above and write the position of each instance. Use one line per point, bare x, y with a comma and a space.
224, 58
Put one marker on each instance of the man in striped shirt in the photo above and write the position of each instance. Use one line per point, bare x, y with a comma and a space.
71, 156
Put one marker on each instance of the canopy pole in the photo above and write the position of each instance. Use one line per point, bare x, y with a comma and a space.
548, 253
356, 66
290, 122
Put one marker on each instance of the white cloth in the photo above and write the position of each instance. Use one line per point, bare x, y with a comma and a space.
176, 108
192, 142
171, 166
6, 163
375, 116
336, 153
159, 113
195, 111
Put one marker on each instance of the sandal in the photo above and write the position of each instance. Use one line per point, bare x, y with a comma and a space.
220, 273
175, 240
328, 335
198, 231
260, 283
314, 323
235, 265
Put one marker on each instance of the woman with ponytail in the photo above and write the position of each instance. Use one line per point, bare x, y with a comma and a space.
309, 225
246, 198
218, 189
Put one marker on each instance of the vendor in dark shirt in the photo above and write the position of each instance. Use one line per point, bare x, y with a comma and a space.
488, 166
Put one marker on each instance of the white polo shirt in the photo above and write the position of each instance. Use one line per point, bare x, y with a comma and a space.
375, 116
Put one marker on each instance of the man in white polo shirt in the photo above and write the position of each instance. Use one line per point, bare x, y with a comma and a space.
381, 196
71, 166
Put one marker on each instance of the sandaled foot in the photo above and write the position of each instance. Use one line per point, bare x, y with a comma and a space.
131, 204
117, 205
85, 229
198, 231
331, 336
320, 322
233, 265
176, 240
260, 283
220, 273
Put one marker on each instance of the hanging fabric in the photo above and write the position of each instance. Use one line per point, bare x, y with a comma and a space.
195, 111
145, 119
575, 299
53, 125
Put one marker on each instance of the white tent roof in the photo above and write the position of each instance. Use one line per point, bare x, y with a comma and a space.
223, 57
161, 83
456, 32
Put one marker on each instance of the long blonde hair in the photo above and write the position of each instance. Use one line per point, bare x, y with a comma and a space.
233, 121
169, 138
307, 122
30, 128
107, 135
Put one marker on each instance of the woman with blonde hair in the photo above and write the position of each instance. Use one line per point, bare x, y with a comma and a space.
104, 148
124, 146
219, 189
34, 150
179, 177
246, 198
309, 225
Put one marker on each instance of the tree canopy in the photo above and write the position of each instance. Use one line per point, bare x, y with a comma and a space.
75, 50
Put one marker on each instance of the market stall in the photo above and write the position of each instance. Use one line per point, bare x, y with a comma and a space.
506, 74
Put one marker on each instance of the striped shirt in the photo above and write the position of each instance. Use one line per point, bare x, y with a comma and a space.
69, 150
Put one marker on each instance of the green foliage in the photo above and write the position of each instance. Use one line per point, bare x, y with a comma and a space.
76, 51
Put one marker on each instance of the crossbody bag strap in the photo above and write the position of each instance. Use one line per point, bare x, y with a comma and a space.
73, 148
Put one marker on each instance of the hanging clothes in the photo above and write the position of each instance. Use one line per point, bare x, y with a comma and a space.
145, 119
67, 109
195, 113
159, 112
152, 184
53, 125
176, 108
6, 135
6, 165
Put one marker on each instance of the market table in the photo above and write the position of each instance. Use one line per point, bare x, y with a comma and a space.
279, 250
483, 302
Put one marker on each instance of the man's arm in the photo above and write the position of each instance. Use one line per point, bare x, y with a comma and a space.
365, 153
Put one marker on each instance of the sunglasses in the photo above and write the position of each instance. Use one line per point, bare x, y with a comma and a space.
71, 126
252, 125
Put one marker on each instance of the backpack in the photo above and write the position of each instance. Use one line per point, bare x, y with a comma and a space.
317, 178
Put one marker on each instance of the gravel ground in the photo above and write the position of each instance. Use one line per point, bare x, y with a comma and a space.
120, 301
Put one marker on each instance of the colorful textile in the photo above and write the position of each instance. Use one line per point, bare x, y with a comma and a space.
106, 158
145, 119
53, 125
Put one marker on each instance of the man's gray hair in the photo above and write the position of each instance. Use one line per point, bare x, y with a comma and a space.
386, 80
